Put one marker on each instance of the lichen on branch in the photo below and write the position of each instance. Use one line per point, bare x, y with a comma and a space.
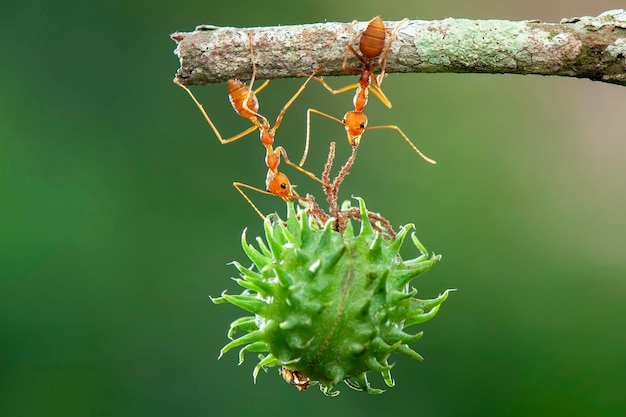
581, 47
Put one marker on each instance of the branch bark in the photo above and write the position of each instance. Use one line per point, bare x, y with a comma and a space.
582, 47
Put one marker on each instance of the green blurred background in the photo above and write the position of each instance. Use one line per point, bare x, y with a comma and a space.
118, 219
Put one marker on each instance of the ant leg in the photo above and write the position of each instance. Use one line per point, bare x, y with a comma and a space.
311, 175
279, 119
350, 48
339, 91
375, 88
240, 185
265, 83
385, 53
251, 93
210, 122
308, 131
380, 95
406, 138
252, 78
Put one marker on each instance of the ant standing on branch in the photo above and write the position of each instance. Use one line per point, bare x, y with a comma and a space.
371, 43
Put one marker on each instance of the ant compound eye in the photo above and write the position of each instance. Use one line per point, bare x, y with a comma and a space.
283, 185
362, 125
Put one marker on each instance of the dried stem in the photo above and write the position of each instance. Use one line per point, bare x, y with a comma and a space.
331, 190
584, 47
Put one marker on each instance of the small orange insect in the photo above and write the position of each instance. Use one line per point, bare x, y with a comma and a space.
245, 103
371, 45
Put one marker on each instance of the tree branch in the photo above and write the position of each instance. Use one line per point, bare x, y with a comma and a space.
582, 47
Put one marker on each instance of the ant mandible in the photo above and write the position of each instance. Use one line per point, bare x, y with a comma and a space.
245, 103
371, 45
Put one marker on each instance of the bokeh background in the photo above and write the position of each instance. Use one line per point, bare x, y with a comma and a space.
118, 219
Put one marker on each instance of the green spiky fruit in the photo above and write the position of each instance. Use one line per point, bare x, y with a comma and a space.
326, 306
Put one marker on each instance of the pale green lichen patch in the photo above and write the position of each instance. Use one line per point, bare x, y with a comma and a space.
471, 43
617, 49
555, 48
615, 17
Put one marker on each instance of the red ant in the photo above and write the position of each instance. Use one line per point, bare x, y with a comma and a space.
371, 45
246, 104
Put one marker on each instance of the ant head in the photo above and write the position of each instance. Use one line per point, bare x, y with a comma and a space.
355, 124
279, 185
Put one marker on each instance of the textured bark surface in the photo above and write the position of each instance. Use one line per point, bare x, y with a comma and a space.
582, 47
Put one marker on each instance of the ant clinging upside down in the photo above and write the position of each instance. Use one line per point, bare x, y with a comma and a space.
371, 44
244, 101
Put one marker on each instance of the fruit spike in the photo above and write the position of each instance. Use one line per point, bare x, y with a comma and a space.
329, 307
